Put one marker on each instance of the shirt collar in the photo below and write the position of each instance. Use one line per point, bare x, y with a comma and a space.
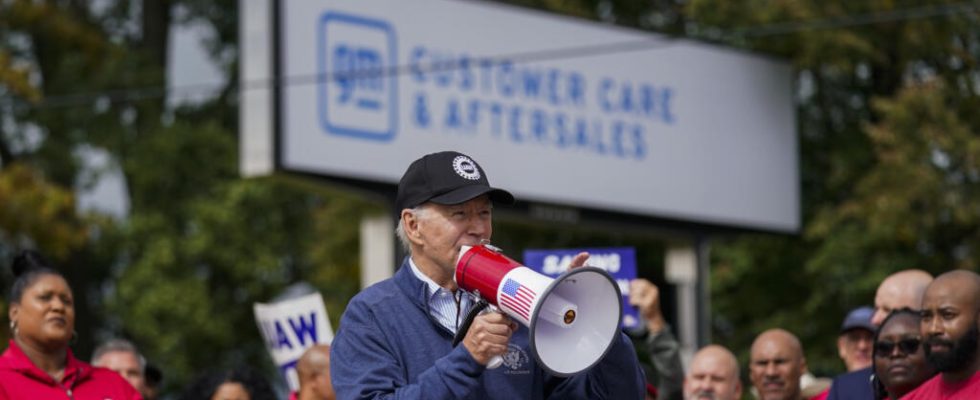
432, 286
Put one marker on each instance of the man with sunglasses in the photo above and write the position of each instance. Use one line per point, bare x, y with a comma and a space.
950, 328
902, 289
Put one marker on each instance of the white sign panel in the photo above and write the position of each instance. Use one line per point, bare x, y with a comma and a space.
290, 327
556, 109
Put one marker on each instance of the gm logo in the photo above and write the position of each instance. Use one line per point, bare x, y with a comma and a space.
357, 90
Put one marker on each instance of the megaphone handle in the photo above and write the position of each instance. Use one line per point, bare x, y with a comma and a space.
495, 361
470, 316
480, 307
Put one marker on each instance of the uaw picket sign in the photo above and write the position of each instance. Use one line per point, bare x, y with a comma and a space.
290, 327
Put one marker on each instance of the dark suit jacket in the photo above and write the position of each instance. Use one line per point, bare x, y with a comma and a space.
852, 386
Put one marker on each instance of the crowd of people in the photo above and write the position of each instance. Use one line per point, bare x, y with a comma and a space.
919, 342
39, 363
403, 338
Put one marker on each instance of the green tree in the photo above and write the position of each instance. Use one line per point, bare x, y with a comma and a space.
884, 110
179, 273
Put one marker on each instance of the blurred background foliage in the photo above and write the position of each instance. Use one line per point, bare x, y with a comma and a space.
886, 94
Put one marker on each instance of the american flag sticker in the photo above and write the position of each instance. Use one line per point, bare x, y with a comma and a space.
517, 297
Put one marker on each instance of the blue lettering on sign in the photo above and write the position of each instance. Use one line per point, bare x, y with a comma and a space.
281, 339
299, 331
358, 73
284, 369
639, 100
454, 92
304, 328
357, 89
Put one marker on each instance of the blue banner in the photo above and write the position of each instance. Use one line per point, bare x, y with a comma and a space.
620, 262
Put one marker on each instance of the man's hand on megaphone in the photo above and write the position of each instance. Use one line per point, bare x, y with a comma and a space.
488, 336
579, 260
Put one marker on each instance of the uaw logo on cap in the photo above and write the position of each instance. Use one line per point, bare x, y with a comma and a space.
356, 95
466, 168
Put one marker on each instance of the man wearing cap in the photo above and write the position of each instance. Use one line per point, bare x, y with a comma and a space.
854, 342
396, 337
855, 339
903, 289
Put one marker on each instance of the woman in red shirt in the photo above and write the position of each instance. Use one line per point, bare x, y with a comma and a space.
38, 363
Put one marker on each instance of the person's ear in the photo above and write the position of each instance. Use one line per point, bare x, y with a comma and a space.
411, 223
12, 316
841, 346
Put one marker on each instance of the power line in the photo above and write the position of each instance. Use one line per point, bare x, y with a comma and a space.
756, 32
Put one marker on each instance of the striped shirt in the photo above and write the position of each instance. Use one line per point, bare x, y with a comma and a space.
442, 302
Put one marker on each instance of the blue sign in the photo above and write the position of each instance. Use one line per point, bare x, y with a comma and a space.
620, 262
357, 91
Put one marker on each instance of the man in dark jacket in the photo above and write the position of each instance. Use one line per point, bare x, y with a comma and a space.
396, 337
658, 349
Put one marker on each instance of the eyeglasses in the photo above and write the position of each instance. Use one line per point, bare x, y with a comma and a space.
884, 348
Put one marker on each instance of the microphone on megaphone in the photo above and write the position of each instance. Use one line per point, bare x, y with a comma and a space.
573, 319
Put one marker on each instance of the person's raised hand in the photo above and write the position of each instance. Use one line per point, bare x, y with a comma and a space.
645, 296
579, 260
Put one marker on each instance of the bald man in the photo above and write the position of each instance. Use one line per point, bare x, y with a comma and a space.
776, 364
313, 369
951, 330
713, 375
903, 289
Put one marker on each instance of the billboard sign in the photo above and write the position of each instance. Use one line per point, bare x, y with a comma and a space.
557, 110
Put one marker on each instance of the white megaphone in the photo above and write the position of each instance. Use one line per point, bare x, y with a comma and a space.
573, 319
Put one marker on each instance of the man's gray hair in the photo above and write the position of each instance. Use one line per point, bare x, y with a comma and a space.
112, 345
420, 212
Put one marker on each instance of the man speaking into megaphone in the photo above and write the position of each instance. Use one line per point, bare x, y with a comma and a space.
396, 337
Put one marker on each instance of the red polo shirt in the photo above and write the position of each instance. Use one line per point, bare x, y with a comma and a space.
21, 379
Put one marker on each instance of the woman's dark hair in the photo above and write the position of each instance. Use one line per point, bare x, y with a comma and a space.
879, 388
205, 386
28, 266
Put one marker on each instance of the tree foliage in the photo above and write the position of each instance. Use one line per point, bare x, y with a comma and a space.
179, 273
888, 174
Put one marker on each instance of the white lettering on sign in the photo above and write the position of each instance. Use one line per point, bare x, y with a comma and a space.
555, 264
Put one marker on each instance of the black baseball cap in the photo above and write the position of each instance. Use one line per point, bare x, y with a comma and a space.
447, 177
